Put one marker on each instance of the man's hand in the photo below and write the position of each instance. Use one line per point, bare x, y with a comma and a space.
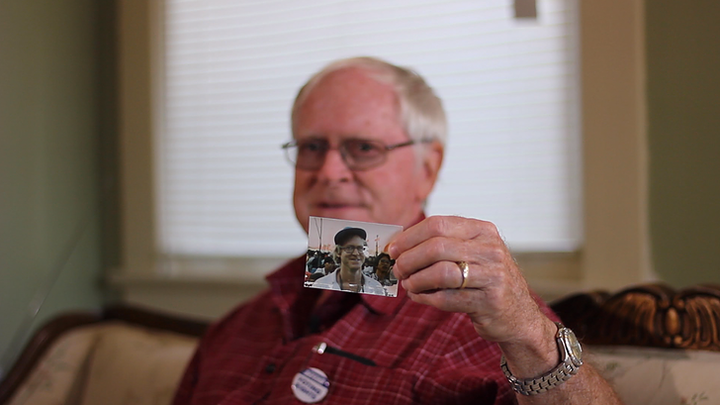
496, 297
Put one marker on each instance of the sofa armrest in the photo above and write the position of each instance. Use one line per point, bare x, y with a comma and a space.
38, 347
59, 337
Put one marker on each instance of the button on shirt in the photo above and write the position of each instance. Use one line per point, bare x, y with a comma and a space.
422, 355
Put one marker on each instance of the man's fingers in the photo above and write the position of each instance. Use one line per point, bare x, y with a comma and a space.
449, 300
426, 253
439, 226
441, 275
449, 275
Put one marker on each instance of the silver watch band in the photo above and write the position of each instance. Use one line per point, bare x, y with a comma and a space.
570, 362
534, 386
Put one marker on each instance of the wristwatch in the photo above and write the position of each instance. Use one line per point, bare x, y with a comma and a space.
570, 362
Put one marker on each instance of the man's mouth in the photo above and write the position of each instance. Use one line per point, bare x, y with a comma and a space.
339, 209
327, 205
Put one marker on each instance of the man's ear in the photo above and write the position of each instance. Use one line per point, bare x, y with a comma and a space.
432, 161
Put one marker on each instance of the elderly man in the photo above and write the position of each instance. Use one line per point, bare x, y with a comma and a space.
368, 145
350, 247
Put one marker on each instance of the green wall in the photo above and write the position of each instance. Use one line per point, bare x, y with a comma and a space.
683, 70
49, 184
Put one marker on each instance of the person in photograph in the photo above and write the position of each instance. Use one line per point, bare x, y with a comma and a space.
368, 142
329, 266
313, 277
383, 267
314, 260
350, 254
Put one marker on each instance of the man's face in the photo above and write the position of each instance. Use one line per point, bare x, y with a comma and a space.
383, 267
354, 259
349, 104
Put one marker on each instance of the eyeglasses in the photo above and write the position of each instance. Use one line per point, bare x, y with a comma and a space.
350, 249
358, 154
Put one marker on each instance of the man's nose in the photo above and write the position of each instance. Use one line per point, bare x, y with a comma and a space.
334, 167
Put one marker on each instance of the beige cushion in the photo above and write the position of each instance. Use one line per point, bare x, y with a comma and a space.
659, 376
136, 366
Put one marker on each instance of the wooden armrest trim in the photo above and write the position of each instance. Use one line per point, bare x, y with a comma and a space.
156, 320
653, 315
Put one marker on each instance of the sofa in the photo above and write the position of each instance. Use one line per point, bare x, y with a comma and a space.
123, 355
654, 344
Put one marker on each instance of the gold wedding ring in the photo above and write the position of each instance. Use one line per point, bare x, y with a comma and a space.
465, 270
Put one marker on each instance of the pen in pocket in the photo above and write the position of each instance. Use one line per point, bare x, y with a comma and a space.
323, 347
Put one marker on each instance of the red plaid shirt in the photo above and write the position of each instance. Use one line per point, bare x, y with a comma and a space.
422, 355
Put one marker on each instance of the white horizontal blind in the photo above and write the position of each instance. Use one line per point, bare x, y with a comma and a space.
233, 67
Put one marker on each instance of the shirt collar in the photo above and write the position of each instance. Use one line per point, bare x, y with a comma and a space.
384, 305
287, 282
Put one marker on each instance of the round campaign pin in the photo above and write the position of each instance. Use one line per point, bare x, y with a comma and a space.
310, 385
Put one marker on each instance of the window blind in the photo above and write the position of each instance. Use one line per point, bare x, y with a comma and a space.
232, 68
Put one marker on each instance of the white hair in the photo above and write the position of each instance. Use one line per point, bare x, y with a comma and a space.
421, 111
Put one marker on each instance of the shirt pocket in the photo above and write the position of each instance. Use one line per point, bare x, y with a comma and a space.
353, 382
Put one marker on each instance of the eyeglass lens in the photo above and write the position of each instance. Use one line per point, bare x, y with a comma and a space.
358, 154
351, 249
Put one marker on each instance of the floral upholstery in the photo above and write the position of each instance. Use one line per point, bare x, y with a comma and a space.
651, 376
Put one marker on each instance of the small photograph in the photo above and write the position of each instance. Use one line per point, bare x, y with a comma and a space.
348, 256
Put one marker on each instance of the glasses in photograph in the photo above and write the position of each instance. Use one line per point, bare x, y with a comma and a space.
350, 249
358, 154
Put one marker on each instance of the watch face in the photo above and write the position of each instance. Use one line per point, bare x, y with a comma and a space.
570, 343
574, 346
